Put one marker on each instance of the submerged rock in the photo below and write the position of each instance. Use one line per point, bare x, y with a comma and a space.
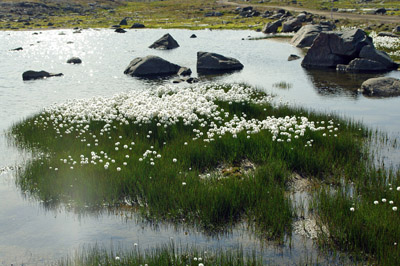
381, 87
293, 57
166, 42
151, 66
216, 63
119, 30
17, 49
30, 74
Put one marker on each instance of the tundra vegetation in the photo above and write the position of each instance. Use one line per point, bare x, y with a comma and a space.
147, 151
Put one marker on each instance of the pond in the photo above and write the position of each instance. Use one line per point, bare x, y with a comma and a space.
33, 234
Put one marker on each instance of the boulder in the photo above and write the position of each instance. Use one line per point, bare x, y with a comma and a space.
74, 60
332, 48
30, 74
291, 25
369, 52
123, 22
193, 36
272, 27
383, 86
306, 35
387, 34
380, 11
216, 63
166, 42
293, 57
362, 65
151, 66
120, 30
137, 26
184, 71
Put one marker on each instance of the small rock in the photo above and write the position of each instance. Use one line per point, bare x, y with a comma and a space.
166, 42
123, 22
272, 27
293, 57
30, 74
120, 30
208, 63
137, 26
383, 86
74, 60
184, 71
17, 49
193, 36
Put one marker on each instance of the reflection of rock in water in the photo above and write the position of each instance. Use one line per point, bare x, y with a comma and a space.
331, 82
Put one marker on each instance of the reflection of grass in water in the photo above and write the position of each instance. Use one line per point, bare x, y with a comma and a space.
165, 183
282, 85
164, 255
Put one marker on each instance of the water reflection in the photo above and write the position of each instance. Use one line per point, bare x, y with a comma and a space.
333, 83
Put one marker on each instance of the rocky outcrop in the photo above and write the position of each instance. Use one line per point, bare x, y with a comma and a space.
307, 34
74, 60
30, 74
381, 87
151, 66
352, 48
208, 63
166, 42
272, 27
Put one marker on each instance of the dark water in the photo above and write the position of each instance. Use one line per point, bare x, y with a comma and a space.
34, 235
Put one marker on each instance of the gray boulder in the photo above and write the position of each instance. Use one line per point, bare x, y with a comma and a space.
137, 26
123, 22
306, 35
272, 27
120, 30
166, 42
216, 63
362, 65
369, 52
151, 66
332, 48
291, 25
30, 74
383, 87
74, 60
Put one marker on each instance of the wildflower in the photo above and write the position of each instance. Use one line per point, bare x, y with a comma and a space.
183, 183
383, 200
118, 169
352, 209
394, 208
174, 160
376, 202
391, 202
117, 258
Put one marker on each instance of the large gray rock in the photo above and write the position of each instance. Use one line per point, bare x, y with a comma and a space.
306, 35
369, 52
362, 65
151, 66
332, 48
30, 74
272, 27
291, 25
216, 63
383, 87
166, 42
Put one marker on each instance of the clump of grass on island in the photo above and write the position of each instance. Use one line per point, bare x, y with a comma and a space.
168, 254
156, 150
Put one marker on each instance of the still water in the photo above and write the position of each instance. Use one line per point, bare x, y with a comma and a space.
31, 234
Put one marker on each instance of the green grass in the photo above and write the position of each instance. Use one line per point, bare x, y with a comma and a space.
170, 254
174, 191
